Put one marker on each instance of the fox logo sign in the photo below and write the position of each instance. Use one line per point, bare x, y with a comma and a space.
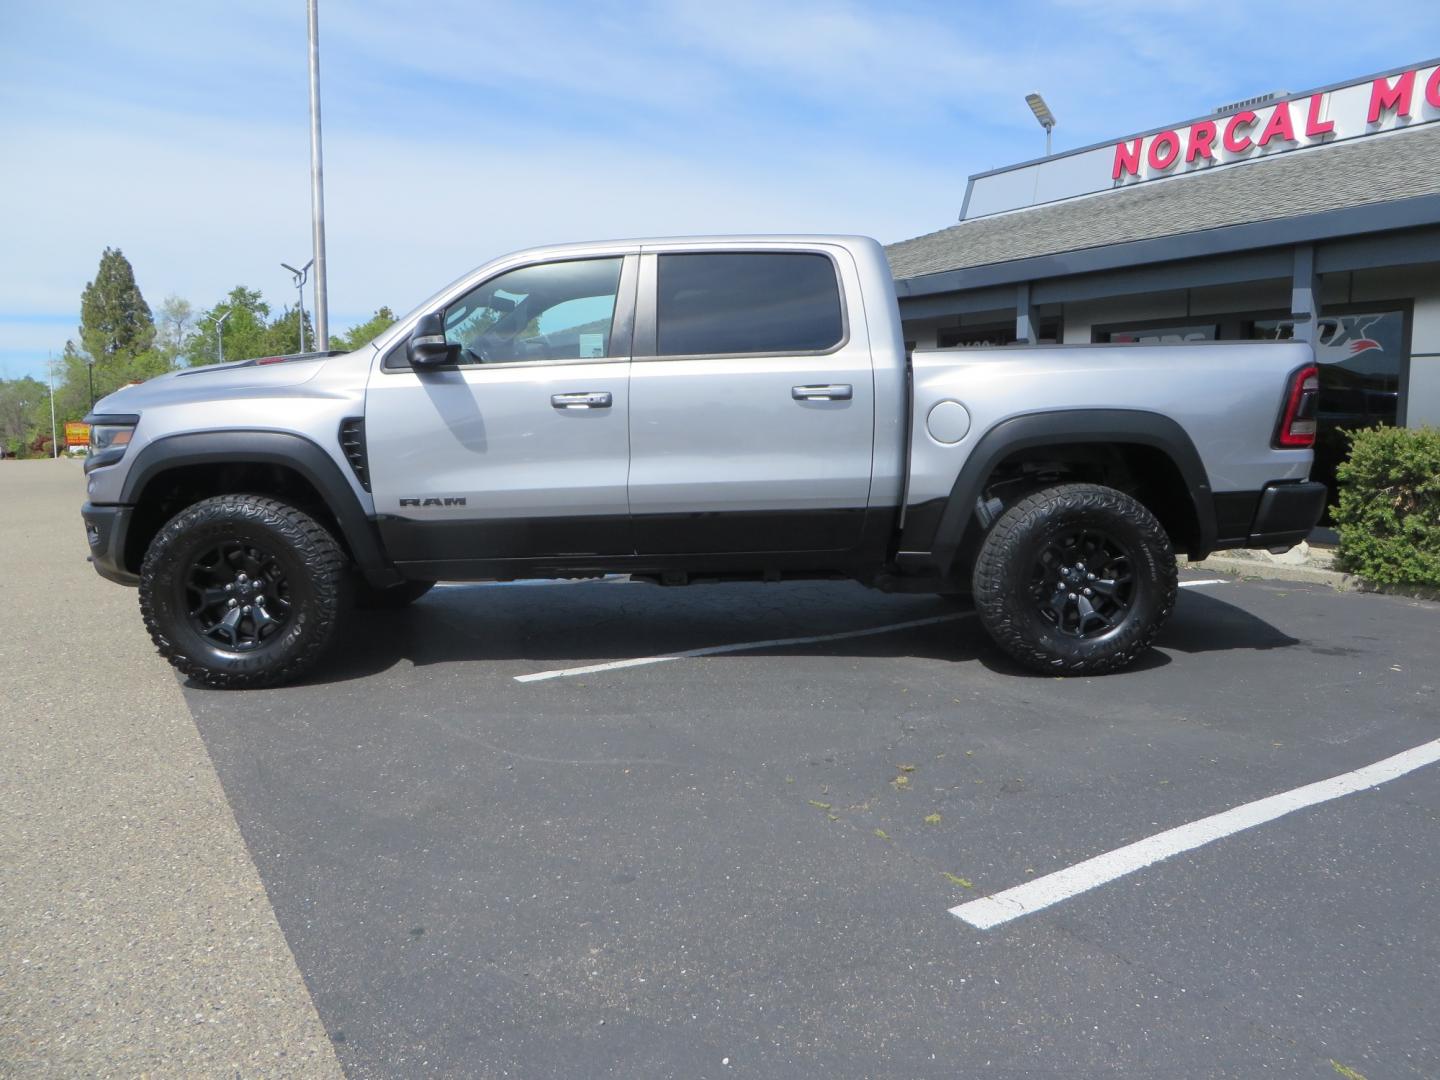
448, 500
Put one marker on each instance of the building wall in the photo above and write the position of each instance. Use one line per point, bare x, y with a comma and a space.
1423, 400
1415, 285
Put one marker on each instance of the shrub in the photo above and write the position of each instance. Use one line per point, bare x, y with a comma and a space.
1389, 513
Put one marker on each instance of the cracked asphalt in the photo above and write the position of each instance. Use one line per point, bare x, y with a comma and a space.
742, 864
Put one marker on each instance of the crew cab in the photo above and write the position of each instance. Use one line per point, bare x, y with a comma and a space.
685, 410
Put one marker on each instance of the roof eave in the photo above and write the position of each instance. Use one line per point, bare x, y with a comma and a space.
1421, 210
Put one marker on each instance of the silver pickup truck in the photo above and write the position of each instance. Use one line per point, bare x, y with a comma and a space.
686, 410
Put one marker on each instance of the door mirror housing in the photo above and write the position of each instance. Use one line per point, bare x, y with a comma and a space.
427, 347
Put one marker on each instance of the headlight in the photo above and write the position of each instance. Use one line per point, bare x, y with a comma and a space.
107, 444
109, 437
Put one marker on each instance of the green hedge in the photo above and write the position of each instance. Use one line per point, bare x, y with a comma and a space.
1389, 513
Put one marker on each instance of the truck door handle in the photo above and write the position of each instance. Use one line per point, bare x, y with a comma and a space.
587, 400
830, 392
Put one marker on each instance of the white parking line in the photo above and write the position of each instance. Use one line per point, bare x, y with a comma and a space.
1034, 895
1206, 581
743, 646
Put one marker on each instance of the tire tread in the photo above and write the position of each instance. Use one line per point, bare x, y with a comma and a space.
997, 609
325, 566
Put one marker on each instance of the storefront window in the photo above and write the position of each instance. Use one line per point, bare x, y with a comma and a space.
986, 337
1165, 335
1360, 357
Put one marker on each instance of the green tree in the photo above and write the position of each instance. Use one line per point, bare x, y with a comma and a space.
242, 330
364, 333
176, 319
72, 389
117, 337
24, 412
115, 321
283, 335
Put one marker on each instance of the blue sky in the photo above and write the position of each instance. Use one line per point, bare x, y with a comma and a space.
456, 131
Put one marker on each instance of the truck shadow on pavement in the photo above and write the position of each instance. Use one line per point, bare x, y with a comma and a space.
560, 627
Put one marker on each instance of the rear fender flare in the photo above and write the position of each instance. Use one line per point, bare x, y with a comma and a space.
1062, 428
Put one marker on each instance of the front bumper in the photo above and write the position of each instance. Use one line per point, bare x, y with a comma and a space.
1286, 514
105, 529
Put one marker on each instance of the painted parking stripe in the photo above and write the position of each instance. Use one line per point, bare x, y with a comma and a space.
742, 646
1205, 581
992, 911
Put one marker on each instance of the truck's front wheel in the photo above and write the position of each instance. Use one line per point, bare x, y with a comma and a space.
242, 591
1075, 580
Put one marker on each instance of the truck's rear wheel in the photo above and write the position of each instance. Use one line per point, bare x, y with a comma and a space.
242, 591
1075, 580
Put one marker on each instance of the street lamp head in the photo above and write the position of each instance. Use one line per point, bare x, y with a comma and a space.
300, 275
1041, 110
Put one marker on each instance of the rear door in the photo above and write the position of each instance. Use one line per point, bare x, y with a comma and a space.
752, 402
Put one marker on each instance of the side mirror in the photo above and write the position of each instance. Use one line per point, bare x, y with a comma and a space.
427, 347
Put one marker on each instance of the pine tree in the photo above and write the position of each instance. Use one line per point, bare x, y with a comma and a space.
115, 321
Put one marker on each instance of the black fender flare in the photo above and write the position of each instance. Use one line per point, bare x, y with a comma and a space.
1069, 427
284, 448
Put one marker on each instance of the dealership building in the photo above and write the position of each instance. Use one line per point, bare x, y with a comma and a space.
1312, 215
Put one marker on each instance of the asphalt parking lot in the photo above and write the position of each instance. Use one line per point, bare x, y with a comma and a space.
743, 863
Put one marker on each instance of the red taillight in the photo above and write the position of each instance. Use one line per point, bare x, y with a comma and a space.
1297, 422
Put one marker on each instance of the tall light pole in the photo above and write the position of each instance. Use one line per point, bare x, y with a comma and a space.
220, 338
317, 187
300, 276
1044, 115
50, 371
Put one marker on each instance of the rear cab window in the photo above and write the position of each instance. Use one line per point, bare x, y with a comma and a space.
747, 303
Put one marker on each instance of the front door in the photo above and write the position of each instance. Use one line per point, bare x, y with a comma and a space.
520, 448
752, 404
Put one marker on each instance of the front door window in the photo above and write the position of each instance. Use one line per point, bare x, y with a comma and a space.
549, 311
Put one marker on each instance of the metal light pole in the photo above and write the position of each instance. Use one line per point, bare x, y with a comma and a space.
219, 338
50, 371
317, 187
300, 276
90, 369
1044, 115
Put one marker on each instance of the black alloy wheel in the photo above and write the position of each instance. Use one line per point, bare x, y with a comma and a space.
1075, 579
243, 591
237, 595
1084, 582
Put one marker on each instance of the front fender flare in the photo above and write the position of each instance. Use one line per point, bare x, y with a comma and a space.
283, 448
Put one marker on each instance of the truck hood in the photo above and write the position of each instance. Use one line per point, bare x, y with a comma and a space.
215, 380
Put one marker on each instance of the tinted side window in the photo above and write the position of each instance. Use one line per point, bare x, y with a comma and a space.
550, 311
747, 302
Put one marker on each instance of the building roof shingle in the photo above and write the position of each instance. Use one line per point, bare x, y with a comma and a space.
1372, 170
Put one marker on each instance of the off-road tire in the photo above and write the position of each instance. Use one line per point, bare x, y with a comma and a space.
393, 598
316, 571
1005, 579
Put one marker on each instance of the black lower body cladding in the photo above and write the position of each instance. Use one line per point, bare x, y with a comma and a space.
1075, 580
243, 591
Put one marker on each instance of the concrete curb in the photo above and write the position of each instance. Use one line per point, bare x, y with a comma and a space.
1276, 571
1273, 568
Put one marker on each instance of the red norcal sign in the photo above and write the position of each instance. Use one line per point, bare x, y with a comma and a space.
1331, 114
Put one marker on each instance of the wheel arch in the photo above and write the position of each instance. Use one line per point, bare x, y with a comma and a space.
179, 470
1153, 450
